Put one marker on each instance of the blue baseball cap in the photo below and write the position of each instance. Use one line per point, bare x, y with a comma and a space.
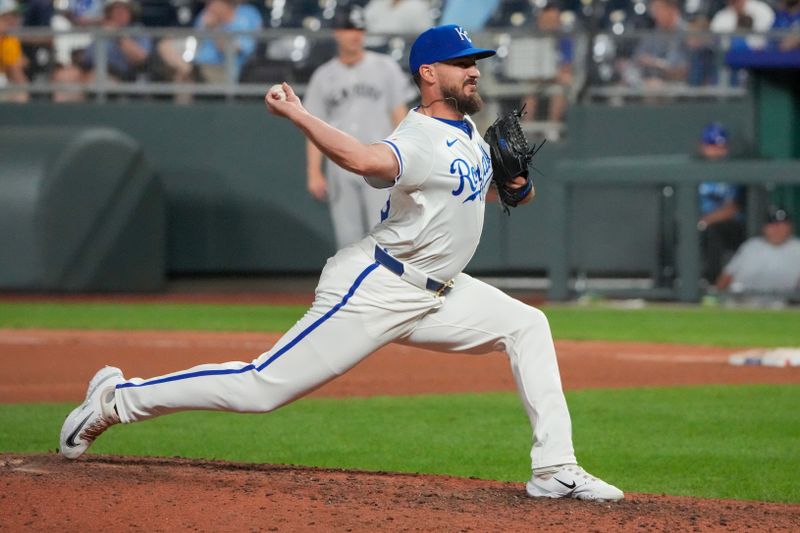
441, 43
714, 133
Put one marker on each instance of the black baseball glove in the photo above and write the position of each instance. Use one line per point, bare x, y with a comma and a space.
511, 157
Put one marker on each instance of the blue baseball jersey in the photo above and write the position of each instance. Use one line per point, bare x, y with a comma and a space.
715, 194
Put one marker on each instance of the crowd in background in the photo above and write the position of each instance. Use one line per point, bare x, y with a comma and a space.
647, 60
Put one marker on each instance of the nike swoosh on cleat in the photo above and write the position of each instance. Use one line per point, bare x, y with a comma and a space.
450, 143
568, 486
71, 439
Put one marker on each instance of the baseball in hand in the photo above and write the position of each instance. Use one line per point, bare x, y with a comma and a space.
277, 89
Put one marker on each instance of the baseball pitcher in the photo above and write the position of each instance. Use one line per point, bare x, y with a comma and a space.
403, 282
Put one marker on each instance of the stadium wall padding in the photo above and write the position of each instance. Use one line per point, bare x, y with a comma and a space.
80, 210
234, 178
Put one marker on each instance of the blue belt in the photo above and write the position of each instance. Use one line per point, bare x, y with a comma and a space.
411, 274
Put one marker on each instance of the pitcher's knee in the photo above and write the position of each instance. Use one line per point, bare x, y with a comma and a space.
530, 328
535, 320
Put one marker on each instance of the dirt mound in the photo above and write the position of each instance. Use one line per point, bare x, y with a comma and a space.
102, 493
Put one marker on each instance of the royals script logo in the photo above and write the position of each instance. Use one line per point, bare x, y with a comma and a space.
472, 180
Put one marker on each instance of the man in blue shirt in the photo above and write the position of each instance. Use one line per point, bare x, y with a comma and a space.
554, 96
225, 15
787, 17
207, 62
472, 15
721, 222
128, 54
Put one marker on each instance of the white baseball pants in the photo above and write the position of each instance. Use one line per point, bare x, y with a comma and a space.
359, 307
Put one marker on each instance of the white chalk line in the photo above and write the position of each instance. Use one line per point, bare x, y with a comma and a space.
162, 343
655, 358
166, 343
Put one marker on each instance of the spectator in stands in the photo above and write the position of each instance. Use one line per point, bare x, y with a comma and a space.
548, 22
85, 12
39, 50
12, 61
662, 57
472, 15
364, 94
398, 16
787, 17
744, 15
750, 16
209, 58
68, 15
702, 53
68, 50
227, 15
128, 54
721, 222
769, 264
39, 13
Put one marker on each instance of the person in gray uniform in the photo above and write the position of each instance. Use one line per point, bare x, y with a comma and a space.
363, 93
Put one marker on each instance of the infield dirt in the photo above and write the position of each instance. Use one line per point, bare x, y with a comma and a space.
98, 493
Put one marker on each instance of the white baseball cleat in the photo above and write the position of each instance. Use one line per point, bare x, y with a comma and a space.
572, 481
87, 421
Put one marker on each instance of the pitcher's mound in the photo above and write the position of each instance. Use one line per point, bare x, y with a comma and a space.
103, 493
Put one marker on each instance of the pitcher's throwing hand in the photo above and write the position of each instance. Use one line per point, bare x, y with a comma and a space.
281, 100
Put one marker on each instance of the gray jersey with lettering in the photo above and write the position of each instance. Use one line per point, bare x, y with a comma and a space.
357, 99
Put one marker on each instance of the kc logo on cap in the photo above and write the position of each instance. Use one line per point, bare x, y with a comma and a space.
441, 43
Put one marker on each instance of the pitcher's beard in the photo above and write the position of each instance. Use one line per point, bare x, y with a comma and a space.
469, 105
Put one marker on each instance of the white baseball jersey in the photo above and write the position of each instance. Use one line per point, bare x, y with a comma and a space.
432, 222
435, 211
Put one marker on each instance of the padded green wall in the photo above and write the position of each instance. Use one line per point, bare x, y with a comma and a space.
234, 177
80, 210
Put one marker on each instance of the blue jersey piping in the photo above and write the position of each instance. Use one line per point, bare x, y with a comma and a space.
276, 355
399, 155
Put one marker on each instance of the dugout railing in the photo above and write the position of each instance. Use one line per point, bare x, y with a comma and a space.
680, 172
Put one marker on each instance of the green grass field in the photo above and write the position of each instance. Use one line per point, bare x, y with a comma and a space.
719, 441
724, 442
689, 325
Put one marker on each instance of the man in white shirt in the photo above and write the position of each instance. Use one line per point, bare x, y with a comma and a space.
769, 264
742, 16
398, 16
401, 283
